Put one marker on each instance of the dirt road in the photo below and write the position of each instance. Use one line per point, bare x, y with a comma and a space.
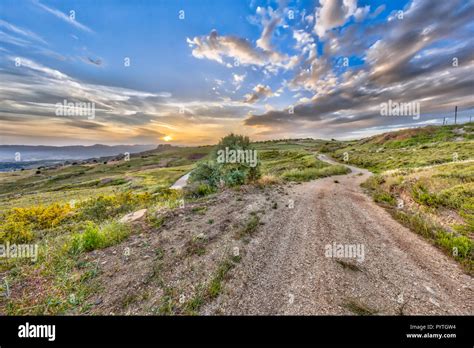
286, 268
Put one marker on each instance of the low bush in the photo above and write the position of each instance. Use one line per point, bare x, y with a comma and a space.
19, 224
105, 207
199, 189
98, 237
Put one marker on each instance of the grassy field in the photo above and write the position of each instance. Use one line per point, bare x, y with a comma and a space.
295, 160
410, 148
75, 209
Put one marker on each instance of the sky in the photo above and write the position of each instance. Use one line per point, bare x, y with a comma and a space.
188, 72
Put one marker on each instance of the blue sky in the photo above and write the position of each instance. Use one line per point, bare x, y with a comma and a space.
229, 66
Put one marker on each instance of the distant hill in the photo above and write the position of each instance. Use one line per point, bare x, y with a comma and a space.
57, 153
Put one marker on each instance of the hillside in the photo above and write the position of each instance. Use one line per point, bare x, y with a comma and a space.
178, 250
409, 148
426, 180
71, 210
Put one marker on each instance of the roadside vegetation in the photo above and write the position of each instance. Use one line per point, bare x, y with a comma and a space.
72, 210
409, 148
425, 178
436, 202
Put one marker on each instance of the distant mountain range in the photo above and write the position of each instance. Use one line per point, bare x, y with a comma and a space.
29, 153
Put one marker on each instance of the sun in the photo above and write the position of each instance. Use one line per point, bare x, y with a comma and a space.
167, 138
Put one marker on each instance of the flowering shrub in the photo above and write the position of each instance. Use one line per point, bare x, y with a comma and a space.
19, 223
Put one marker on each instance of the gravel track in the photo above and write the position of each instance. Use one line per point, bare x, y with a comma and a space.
285, 270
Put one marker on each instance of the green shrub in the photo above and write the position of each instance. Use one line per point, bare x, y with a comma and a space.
91, 239
422, 196
198, 189
235, 178
105, 207
385, 197
459, 246
232, 174
95, 237
207, 172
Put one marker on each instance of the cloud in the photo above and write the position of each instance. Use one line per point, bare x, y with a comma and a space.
410, 62
238, 50
29, 95
237, 80
391, 58
378, 10
264, 42
215, 47
10, 39
258, 92
232, 50
21, 31
332, 14
89, 60
361, 13
302, 38
63, 17
406, 60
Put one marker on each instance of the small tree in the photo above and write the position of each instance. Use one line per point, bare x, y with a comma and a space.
232, 174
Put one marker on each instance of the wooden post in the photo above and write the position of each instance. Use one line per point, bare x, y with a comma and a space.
455, 114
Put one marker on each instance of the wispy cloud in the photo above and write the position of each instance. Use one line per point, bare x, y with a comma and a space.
63, 17
21, 31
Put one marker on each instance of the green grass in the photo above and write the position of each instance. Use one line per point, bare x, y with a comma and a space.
296, 164
72, 210
409, 148
314, 173
215, 286
250, 227
431, 197
98, 237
